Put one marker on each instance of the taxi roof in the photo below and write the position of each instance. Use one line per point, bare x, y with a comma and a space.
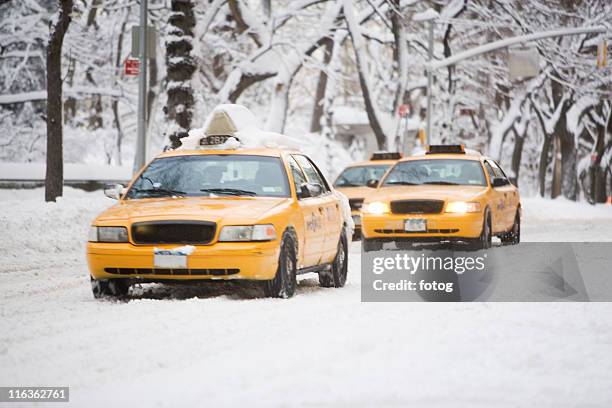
260, 151
438, 156
372, 163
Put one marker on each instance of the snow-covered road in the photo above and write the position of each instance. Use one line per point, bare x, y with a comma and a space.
221, 346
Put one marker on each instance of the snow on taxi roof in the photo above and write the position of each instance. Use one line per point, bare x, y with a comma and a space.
233, 126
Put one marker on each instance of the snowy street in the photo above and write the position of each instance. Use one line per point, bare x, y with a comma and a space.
220, 345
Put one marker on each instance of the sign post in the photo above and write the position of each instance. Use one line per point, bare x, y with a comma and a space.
141, 146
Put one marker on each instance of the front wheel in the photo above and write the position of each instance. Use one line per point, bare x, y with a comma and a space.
514, 236
285, 281
336, 276
485, 240
111, 288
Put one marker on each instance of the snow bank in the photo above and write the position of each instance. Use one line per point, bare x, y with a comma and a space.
72, 172
563, 209
39, 234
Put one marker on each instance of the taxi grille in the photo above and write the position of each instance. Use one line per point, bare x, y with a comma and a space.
356, 203
166, 271
429, 231
417, 206
173, 232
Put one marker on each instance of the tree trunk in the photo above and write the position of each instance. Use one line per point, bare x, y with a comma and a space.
317, 111
596, 170
557, 173
180, 68
115, 101
400, 57
565, 179
54, 178
517, 154
543, 165
369, 98
569, 179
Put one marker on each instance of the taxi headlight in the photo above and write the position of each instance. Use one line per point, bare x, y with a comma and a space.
376, 207
108, 234
235, 233
462, 207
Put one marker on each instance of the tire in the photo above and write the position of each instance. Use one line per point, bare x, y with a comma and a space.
486, 236
336, 276
371, 244
513, 237
109, 288
284, 283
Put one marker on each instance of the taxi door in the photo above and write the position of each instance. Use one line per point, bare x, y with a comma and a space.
497, 203
329, 209
509, 193
511, 196
313, 224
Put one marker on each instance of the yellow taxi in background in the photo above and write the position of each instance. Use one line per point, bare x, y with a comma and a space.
358, 180
220, 212
447, 194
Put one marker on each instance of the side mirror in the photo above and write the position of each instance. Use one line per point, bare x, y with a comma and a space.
114, 191
499, 182
310, 190
372, 183
303, 192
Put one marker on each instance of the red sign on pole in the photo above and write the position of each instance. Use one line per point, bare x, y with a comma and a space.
403, 110
132, 66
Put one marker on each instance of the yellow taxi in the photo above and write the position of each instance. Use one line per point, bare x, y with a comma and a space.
222, 212
358, 180
447, 194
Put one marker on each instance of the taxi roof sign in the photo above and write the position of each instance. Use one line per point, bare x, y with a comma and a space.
386, 156
220, 124
445, 149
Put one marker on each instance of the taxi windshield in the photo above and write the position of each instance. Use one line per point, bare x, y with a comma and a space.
212, 175
359, 175
438, 171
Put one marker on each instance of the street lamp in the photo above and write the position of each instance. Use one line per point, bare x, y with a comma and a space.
429, 15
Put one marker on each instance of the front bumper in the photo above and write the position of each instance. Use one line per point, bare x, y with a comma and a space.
222, 260
442, 226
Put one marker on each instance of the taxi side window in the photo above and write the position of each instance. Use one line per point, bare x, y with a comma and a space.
490, 171
494, 171
312, 173
497, 170
298, 176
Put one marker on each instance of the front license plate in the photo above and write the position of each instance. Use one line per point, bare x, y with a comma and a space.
415, 225
170, 261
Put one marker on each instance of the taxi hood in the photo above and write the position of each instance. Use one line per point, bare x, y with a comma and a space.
240, 209
427, 192
356, 192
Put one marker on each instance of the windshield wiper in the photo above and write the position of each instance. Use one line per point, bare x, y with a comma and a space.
402, 183
442, 183
229, 191
160, 191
